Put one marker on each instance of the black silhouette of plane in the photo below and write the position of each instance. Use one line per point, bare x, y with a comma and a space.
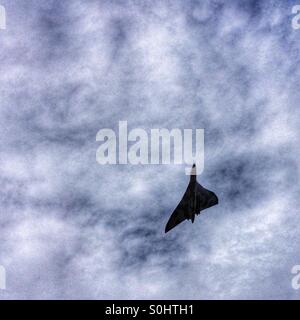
195, 199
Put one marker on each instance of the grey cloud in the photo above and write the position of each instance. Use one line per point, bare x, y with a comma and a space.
71, 228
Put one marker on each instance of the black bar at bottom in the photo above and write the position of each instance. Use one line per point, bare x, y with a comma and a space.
142, 309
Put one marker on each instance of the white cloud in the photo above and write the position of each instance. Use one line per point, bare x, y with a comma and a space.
75, 229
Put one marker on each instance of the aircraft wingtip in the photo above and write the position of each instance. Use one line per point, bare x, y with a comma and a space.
167, 228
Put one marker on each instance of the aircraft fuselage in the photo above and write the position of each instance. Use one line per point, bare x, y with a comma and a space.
193, 205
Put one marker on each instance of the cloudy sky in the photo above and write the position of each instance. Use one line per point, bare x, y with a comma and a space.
71, 228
